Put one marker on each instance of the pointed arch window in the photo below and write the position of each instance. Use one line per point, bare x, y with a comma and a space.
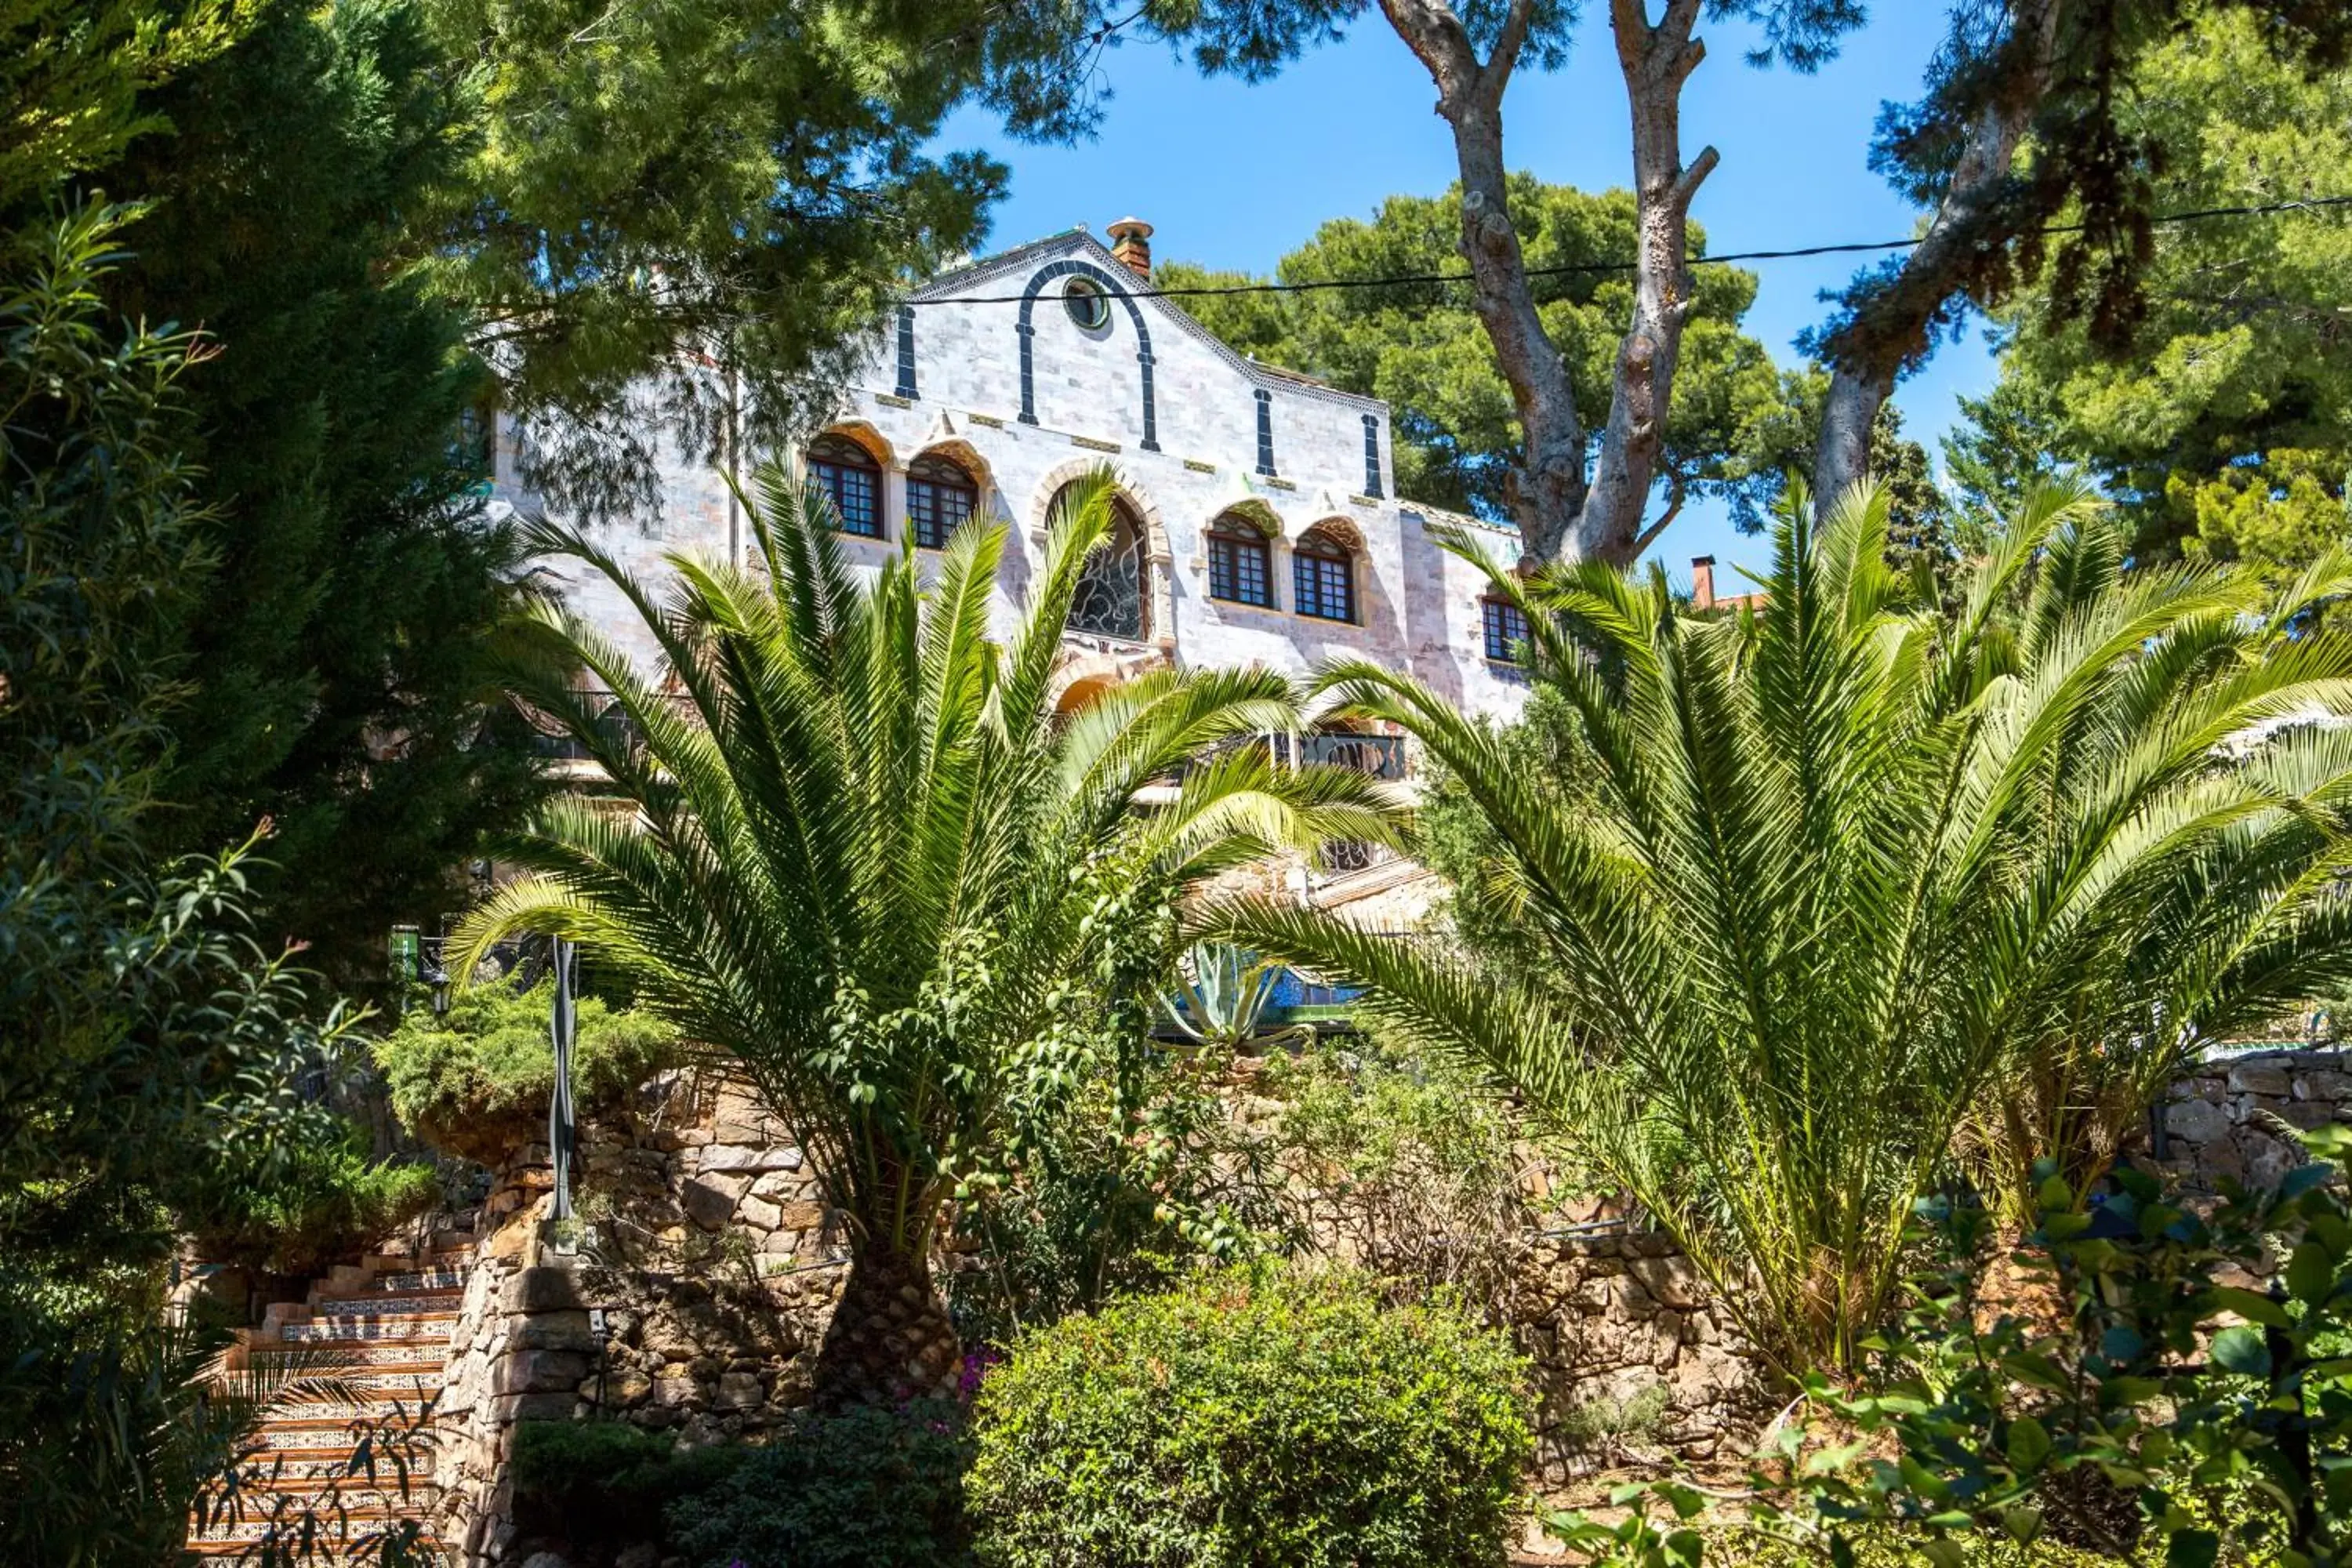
853, 479
939, 496
1114, 587
1240, 562
1323, 577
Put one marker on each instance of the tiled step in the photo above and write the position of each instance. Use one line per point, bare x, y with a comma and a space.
412, 1326
422, 1351
390, 1304
447, 1278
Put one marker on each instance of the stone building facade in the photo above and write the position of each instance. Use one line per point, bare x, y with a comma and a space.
1259, 521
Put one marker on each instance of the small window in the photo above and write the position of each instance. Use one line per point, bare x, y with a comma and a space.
939, 496
1240, 562
853, 478
1507, 628
1323, 577
1087, 304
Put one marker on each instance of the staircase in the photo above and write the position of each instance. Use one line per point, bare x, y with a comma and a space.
370, 1347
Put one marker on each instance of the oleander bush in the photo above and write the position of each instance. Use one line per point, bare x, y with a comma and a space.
475, 1081
1273, 1419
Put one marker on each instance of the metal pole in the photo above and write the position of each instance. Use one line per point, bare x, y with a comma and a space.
559, 1104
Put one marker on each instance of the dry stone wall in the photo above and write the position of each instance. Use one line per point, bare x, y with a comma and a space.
2234, 1116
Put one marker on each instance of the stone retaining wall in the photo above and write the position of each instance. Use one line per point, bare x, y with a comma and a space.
2231, 1116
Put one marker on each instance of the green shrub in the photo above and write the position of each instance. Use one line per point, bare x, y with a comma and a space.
606, 1481
475, 1082
866, 1488
1272, 1420
296, 1206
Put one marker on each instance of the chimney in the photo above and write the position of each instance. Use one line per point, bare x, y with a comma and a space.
1702, 582
1130, 241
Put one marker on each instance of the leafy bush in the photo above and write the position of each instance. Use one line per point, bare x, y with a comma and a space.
1129, 1179
606, 1481
1272, 1420
294, 1209
870, 1488
475, 1082
1410, 1167
2113, 1385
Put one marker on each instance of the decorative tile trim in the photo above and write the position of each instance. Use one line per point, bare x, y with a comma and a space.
991, 420
1198, 466
1092, 445
1273, 483
892, 400
1363, 500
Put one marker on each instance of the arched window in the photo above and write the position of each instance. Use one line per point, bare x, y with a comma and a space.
853, 478
939, 496
1240, 562
1113, 588
1506, 626
1323, 577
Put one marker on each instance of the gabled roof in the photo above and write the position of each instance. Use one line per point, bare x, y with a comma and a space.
974, 277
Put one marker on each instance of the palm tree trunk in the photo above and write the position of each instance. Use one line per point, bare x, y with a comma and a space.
890, 1339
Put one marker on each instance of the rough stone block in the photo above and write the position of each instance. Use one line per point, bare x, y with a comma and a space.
2197, 1121
758, 1213
541, 1372
739, 1390
551, 1287
710, 1200
2257, 1078
1671, 1280
749, 1157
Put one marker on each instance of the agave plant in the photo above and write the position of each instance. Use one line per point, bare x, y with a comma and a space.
1220, 997
1846, 868
866, 859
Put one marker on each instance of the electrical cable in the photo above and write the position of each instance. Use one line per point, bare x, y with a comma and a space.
1856, 248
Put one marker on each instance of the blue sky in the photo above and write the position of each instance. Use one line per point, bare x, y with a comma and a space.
1233, 175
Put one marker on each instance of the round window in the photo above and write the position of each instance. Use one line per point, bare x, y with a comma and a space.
1087, 304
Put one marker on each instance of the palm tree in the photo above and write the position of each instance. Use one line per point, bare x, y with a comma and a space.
864, 858
1842, 866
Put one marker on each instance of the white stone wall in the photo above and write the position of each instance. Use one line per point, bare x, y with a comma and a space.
1418, 607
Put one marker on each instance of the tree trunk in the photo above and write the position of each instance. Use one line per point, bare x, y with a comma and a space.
1565, 512
890, 1339
1891, 328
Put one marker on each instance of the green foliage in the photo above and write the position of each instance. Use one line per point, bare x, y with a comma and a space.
2157, 1387
1123, 1184
337, 645
866, 1488
735, 179
1850, 872
317, 1200
1272, 1420
1734, 417
868, 862
609, 1482
2222, 419
475, 1081
1408, 1167
70, 76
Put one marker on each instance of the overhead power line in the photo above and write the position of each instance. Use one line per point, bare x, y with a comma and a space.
1856, 248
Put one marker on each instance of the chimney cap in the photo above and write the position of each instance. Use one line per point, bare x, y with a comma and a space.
1702, 560
1127, 226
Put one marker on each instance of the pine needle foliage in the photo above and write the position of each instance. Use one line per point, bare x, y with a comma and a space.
1848, 868
863, 857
